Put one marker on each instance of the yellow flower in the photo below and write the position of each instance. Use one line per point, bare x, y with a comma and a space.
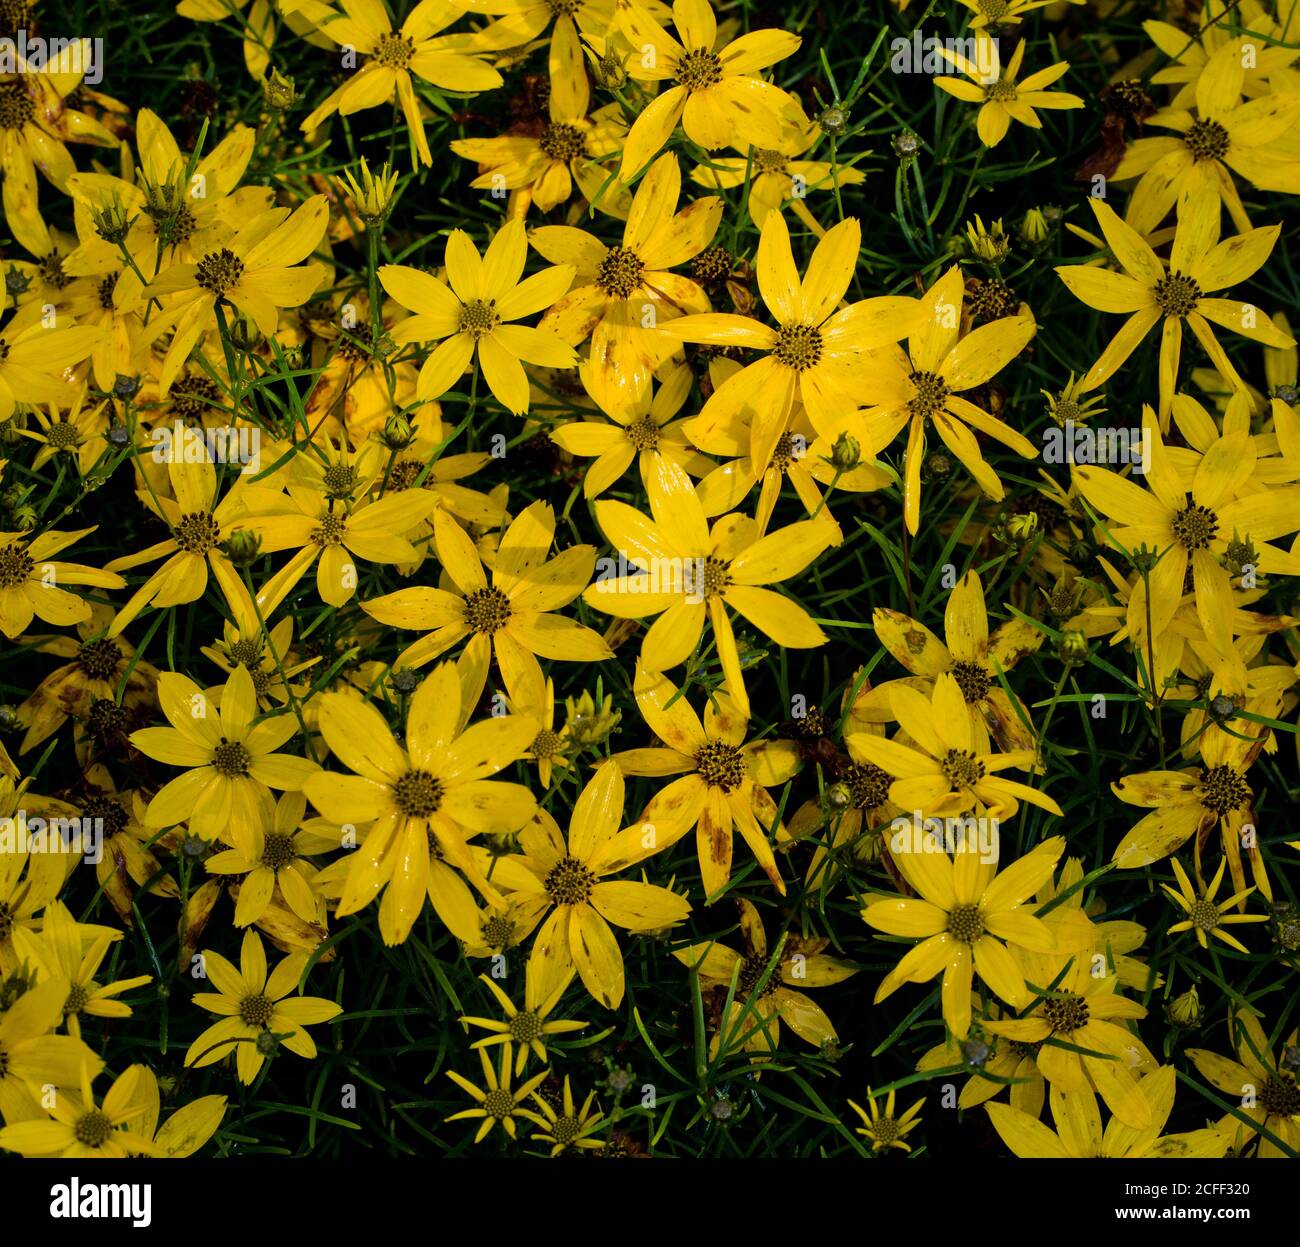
765, 994
281, 847
1079, 1135
514, 616
232, 761
885, 1130
723, 783
76, 1129
818, 354
373, 195
473, 316
392, 57
965, 916
994, 87
685, 571
1205, 915
34, 359
1151, 289
186, 1130
56, 954
1268, 1084
568, 1125
258, 1015
995, 13
716, 95
30, 580
500, 1104
257, 270
423, 799
524, 1030
30, 1056
571, 877
942, 772
922, 387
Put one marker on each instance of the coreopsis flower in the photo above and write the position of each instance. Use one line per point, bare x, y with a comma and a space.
31, 1056
393, 59
723, 780
777, 176
258, 1014
886, 1130
31, 581
372, 195
500, 1104
186, 1130
423, 799
716, 95
922, 387
1189, 803
1275, 1105
996, 13
1079, 1134
622, 294
78, 434
942, 772
570, 879
471, 318
639, 428
279, 861
231, 756
34, 359
685, 572
318, 526
56, 954
966, 915
765, 993
514, 616
257, 270
1194, 525
1150, 290
993, 86
817, 354
1204, 913
541, 169
567, 1124
524, 1031
268, 656
75, 1128
972, 655
1215, 52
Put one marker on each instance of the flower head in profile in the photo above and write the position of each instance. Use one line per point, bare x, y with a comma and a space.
258, 1013
472, 316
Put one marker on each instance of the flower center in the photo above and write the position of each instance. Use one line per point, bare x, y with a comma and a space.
1224, 789
330, 532
1066, 1013
931, 394
105, 719
255, 1010
768, 161
868, 784
197, 532
966, 923
1204, 914
698, 69
100, 660
1280, 1097
783, 453
487, 610
972, 679
643, 433
231, 759
479, 317
721, 765
15, 566
219, 271
547, 744
1177, 294
111, 813
1206, 140
569, 882
563, 142
751, 970
961, 768
277, 850
499, 1104
798, 346
1195, 526
994, 9
16, 107
417, 794
525, 1027
1000, 91
564, 8
712, 266
619, 272
340, 480
565, 1129
884, 1131
78, 999
93, 1128
193, 396
394, 51
498, 931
